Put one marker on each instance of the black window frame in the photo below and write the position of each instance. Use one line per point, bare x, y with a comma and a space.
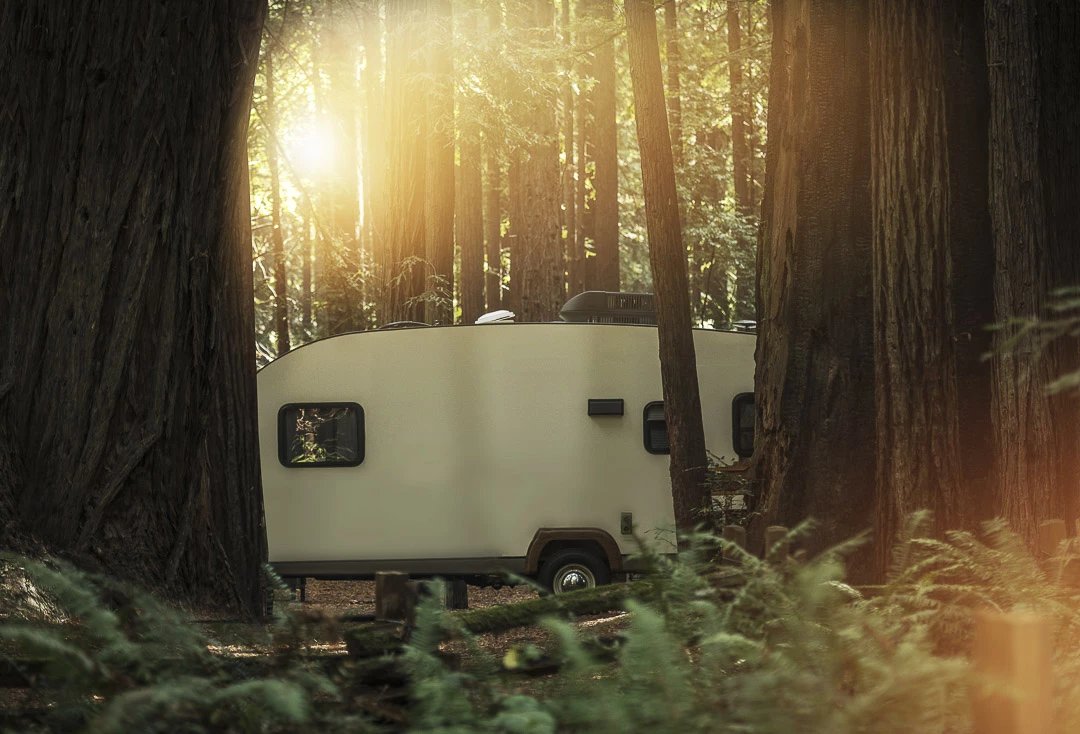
645, 428
736, 429
361, 437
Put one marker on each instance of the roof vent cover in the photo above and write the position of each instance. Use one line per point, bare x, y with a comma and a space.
603, 307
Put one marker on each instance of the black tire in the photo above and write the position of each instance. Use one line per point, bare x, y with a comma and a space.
588, 570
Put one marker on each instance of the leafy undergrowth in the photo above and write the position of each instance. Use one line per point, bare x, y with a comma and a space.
791, 649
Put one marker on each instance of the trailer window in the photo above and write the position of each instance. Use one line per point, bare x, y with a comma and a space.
656, 438
742, 424
321, 434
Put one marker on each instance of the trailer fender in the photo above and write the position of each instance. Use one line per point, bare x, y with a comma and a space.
567, 537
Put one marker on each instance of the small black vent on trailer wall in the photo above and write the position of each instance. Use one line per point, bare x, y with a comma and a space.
602, 307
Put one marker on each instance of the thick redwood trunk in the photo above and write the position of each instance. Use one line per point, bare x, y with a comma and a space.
814, 447
678, 364
918, 457
127, 381
1033, 73
540, 292
439, 181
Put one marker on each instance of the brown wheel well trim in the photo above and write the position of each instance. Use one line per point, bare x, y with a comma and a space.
546, 535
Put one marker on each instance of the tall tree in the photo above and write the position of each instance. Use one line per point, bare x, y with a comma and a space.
918, 456
605, 142
540, 290
493, 240
667, 258
439, 179
127, 384
814, 446
374, 142
469, 217
281, 284
1034, 164
740, 152
406, 135
345, 297
674, 89
575, 250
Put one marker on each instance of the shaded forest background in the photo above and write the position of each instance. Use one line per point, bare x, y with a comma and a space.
410, 161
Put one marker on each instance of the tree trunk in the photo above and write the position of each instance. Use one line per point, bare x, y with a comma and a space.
469, 224
345, 307
439, 208
281, 285
667, 257
972, 248
674, 91
575, 252
406, 134
606, 153
493, 224
540, 291
127, 386
579, 264
918, 459
305, 273
493, 216
1033, 72
740, 152
374, 152
814, 445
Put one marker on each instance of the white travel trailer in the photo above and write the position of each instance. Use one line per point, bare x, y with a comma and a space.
535, 449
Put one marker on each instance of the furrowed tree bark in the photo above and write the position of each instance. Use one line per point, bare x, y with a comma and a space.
605, 152
918, 450
814, 444
281, 283
127, 381
540, 237
972, 249
1033, 70
439, 209
667, 258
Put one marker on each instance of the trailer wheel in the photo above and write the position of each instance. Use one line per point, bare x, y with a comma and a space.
573, 569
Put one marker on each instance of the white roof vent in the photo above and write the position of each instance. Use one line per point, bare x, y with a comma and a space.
497, 317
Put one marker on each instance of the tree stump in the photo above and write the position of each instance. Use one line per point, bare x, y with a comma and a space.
457, 594
391, 596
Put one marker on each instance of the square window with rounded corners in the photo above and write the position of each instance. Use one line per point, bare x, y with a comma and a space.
655, 429
320, 435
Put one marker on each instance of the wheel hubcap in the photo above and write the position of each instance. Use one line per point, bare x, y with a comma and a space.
573, 577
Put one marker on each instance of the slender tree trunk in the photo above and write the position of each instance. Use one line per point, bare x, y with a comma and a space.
674, 90
814, 445
740, 153
321, 193
281, 283
541, 249
469, 224
606, 155
517, 257
128, 427
493, 215
580, 280
575, 254
918, 455
493, 224
305, 274
1033, 72
667, 258
439, 209
374, 156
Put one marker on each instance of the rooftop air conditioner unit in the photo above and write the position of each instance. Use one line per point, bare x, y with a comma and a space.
603, 307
